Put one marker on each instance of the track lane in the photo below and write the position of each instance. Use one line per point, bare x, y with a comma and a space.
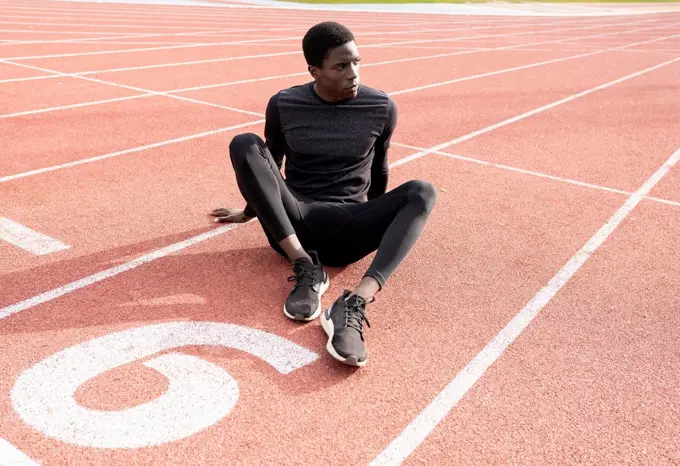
69, 135
325, 395
623, 133
595, 377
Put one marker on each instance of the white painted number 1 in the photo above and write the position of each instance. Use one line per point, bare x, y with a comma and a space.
199, 393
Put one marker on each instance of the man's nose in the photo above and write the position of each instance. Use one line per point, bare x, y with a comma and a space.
353, 71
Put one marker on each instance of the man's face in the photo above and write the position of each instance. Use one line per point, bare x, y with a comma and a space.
338, 78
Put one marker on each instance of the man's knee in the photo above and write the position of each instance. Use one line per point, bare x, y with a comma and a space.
423, 193
243, 146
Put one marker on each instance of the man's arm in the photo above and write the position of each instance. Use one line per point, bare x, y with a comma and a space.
273, 134
274, 138
380, 167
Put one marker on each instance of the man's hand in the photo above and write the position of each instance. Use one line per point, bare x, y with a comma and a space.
231, 215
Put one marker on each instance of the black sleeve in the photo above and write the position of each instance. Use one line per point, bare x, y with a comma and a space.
274, 139
273, 135
380, 167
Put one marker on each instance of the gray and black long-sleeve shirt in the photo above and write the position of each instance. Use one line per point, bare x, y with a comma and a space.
335, 152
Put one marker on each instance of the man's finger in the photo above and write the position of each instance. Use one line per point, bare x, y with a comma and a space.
222, 212
235, 218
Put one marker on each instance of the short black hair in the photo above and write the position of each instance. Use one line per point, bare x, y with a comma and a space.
323, 37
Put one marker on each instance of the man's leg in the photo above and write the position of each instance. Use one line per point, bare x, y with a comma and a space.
263, 188
391, 224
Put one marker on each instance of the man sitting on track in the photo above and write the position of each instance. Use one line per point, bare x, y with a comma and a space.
332, 208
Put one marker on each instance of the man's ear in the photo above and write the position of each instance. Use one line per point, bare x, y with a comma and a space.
314, 71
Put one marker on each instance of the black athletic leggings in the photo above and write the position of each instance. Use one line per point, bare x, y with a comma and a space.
340, 233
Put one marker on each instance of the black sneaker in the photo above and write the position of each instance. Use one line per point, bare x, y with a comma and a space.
311, 282
343, 323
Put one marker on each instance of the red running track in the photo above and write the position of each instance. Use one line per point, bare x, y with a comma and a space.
532, 152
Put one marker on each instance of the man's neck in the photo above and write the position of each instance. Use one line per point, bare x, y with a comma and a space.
325, 97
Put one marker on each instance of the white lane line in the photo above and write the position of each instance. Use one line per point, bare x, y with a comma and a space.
445, 54
38, 171
34, 31
29, 240
211, 44
245, 57
265, 13
171, 93
404, 160
12, 456
146, 92
120, 42
71, 106
531, 65
535, 173
113, 271
215, 32
414, 434
542, 109
131, 35
148, 49
125, 26
96, 40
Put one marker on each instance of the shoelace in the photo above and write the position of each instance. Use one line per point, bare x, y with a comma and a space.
355, 314
304, 274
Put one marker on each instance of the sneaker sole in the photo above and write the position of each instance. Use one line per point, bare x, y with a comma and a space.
328, 327
298, 317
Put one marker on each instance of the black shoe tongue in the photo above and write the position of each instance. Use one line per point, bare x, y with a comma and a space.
354, 300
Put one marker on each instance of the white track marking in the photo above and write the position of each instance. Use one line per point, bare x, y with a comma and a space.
29, 240
113, 271
148, 49
221, 31
190, 62
125, 26
414, 434
71, 106
199, 394
411, 157
101, 21
419, 41
245, 57
268, 13
535, 173
114, 42
216, 32
38, 31
234, 32
519, 35
302, 26
530, 65
38, 171
541, 109
82, 283
172, 93
447, 54
95, 40
124, 86
12, 456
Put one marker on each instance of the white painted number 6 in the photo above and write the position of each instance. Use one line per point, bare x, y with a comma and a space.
199, 394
